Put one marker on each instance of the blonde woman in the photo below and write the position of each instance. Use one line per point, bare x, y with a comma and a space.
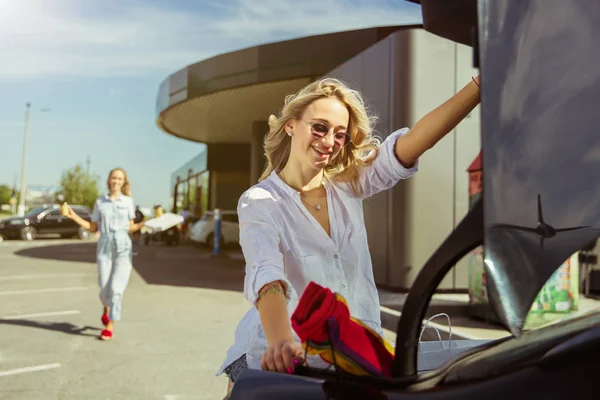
113, 217
304, 220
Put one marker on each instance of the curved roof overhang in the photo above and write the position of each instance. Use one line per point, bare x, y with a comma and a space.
218, 99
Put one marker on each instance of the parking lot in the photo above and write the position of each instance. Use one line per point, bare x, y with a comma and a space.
179, 314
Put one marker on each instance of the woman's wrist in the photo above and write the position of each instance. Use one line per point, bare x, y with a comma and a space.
82, 222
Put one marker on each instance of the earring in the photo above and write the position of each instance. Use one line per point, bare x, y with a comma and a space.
289, 133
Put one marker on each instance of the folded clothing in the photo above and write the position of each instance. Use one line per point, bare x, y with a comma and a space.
323, 323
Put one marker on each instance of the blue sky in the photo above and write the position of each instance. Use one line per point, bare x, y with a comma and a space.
97, 66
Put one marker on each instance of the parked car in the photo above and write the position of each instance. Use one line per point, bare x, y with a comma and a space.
45, 220
203, 231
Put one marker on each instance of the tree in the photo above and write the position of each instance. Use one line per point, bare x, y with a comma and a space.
5, 194
78, 187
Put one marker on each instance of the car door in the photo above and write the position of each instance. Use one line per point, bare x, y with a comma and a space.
200, 230
69, 226
51, 223
230, 228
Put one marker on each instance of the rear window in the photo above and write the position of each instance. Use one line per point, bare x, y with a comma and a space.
82, 212
206, 217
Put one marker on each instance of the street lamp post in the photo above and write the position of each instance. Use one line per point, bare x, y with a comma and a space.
23, 191
21, 207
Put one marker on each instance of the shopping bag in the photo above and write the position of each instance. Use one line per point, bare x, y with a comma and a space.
433, 355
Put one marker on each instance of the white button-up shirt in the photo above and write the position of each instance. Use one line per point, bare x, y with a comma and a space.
282, 241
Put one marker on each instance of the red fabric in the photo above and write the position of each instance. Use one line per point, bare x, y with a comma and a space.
476, 164
315, 306
357, 348
105, 319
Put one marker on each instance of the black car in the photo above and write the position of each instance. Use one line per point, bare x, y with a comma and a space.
45, 220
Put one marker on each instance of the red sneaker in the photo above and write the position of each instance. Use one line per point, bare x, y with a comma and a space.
106, 335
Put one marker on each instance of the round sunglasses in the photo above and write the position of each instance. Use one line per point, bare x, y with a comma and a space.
320, 130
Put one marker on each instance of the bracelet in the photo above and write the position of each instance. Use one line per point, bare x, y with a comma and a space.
473, 78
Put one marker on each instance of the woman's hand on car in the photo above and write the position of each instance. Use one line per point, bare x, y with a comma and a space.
283, 356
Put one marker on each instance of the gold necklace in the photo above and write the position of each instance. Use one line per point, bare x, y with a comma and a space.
316, 207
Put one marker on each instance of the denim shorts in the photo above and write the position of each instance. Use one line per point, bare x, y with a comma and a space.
234, 369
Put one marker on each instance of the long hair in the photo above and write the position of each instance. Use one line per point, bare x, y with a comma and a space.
344, 167
126, 189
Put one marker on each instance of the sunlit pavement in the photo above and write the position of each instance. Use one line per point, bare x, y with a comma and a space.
179, 314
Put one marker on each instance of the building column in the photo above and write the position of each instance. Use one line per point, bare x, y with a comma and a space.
213, 195
176, 194
257, 158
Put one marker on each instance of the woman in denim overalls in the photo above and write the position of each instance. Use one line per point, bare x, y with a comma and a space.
113, 217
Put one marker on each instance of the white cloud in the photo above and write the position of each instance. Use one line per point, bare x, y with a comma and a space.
37, 40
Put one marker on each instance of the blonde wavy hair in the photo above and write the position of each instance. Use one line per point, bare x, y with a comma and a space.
126, 189
344, 167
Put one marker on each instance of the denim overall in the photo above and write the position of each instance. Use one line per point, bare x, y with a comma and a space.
114, 251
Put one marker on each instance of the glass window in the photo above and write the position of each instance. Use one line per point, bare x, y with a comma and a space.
204, 182
34, 212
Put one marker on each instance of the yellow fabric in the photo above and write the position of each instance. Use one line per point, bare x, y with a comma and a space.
381, 339
324, 350
344, 363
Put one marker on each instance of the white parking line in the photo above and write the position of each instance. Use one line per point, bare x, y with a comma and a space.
49, 290
38, 276
29, 369
395, 313
47, 314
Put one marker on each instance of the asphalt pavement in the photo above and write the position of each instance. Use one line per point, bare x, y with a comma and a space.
179, 314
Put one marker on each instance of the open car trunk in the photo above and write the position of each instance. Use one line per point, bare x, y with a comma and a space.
454, 20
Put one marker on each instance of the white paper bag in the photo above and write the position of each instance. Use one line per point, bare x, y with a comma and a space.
432, 355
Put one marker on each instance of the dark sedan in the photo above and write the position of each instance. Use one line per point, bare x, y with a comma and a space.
45, 220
